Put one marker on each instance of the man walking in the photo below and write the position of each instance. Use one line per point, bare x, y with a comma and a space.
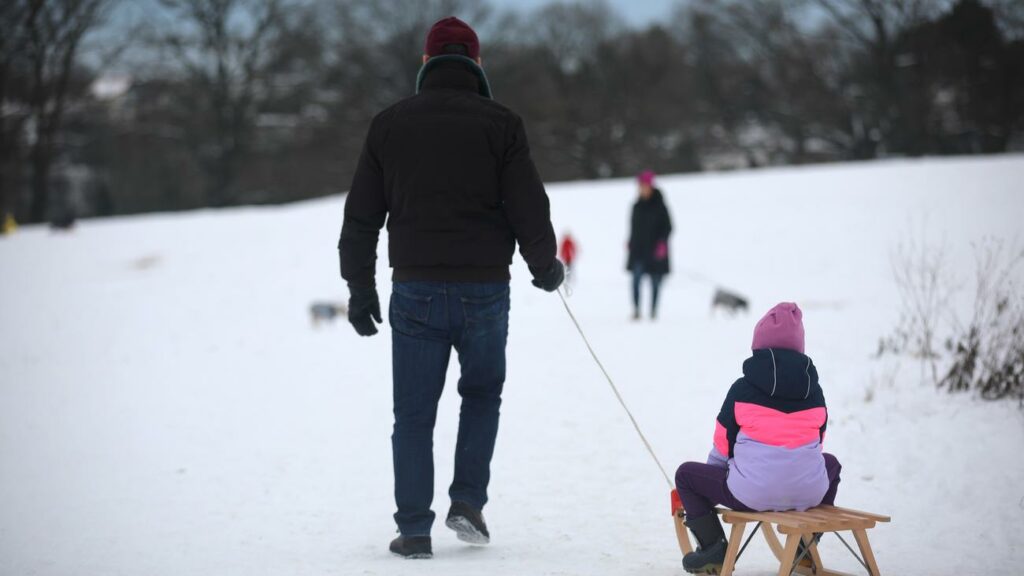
450, 171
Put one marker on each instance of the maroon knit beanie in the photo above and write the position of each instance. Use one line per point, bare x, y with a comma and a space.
451, 30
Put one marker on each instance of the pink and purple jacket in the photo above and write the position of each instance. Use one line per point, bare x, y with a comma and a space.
770, 431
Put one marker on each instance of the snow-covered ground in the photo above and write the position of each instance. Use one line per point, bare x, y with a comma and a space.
167, 409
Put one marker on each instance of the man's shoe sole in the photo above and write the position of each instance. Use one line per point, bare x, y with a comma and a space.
416, 556
465, 531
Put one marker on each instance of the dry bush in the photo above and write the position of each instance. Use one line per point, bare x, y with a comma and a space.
985, 353
926, 290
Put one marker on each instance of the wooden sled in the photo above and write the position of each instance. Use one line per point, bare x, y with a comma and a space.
794, 525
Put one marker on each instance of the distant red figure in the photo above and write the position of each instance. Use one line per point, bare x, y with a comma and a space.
567, 251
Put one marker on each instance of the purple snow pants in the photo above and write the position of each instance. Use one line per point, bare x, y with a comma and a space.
702, 487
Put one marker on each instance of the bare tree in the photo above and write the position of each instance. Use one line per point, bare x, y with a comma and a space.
1010, 15
378, 46
222, 47
874, 27
13, 43
786, 74
42, 43
268, 100
555, 67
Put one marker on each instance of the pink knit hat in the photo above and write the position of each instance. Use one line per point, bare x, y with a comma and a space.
781, 327
646, 177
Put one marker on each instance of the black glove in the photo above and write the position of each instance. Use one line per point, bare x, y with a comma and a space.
551, 278
363, 309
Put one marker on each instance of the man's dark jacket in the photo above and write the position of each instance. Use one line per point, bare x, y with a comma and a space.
451, 171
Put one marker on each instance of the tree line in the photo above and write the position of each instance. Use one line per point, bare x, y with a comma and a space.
202, 103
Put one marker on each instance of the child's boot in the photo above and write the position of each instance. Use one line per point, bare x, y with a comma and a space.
710, 553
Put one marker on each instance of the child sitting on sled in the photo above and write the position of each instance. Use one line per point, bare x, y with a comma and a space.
767, 452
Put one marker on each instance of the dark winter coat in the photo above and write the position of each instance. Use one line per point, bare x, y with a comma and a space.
650, 225
770, 430
450, 170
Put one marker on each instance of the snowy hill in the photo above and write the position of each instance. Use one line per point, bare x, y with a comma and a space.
167, 409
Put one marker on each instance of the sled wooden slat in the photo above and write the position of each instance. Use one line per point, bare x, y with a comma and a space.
827, 520
825, 516
837, 524
832, 514
779, 518
830, 522
875, 517
796, 526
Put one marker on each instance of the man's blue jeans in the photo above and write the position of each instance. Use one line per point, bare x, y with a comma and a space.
428, 319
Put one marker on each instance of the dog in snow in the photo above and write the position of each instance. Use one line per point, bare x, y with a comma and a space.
729, 301
326, 312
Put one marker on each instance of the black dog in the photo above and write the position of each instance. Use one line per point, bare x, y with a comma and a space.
730, 301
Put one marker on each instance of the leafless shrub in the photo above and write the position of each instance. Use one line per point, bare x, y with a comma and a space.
988, 351
985, 353
926, 290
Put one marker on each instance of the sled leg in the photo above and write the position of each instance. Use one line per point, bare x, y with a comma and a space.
682, 534
812, 551
772, 539
865, 550
734, 547
788, 555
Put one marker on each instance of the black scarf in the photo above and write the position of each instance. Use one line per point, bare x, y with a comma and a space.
442, 63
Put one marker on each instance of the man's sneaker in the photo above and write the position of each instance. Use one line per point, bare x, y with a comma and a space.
412, 547
468, 523
706, 560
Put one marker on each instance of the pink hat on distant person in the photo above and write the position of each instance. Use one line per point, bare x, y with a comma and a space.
646, 177
781, 327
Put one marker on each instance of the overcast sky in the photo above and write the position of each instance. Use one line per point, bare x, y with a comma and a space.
637, 12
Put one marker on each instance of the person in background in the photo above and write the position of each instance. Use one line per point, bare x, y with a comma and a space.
64, 221
9, 225
567, 252
650, 227
767, 451
455, 210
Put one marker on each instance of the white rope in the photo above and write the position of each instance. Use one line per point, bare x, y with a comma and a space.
615, 390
